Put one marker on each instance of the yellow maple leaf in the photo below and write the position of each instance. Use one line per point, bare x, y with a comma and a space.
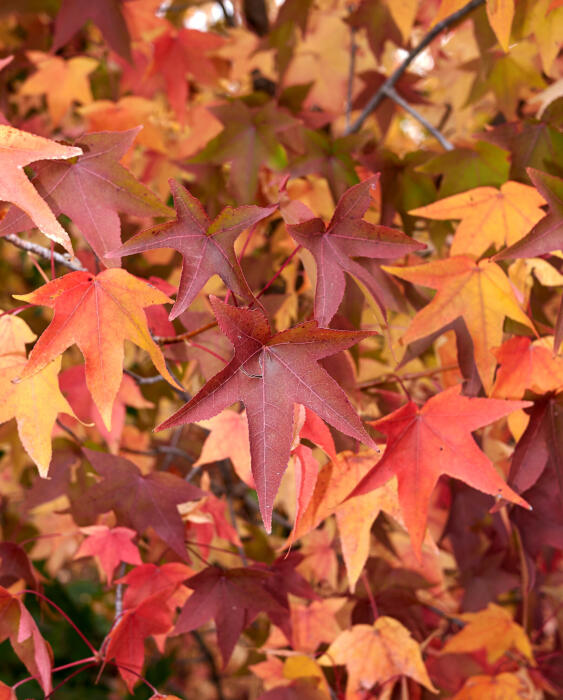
492, 629
479, 292
375, 654
62, 82
488, 216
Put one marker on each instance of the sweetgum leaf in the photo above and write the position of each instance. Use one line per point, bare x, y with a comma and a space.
270, 373
92, 190
139, 501
207, 247
346, 237
423, 443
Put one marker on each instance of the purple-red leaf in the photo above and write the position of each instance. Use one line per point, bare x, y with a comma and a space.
270, 373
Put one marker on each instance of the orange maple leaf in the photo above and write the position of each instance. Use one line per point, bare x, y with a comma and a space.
488, 216
375, 654
492, 629
62, 82
21, 401
18, 149
97, 313
478, 292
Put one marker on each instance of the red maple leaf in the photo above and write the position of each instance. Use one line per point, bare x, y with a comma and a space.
138, 501
436, 439
347, 237
110, 545
232, 598
270, 373
207, 247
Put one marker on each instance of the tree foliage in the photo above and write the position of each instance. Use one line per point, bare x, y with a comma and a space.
328, 461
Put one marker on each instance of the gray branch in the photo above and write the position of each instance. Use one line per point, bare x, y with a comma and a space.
44, 252
392, 94
380, 95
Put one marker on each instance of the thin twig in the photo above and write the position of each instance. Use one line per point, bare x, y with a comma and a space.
215, 675
168, 340
381, 93
159, 450
119, 594
392, 94
144, 380
351, 73
44, 252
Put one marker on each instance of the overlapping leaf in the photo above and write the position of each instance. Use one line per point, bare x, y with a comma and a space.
423, 443
92, 190
478, 292
18, 149
346, 237
269, 373
97, 313
207, 247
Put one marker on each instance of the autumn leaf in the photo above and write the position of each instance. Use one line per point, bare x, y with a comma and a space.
207, 247
488, 216
523, 365
127, 639
492, 629
18, 149
269, 373
97, 313
138, 501
233, 598
21, 401
110, 545
148, 579
376, 654
107, 15
92, 190
250, 140
504, 686
178, 55
348, 236
17, 625
423, 443
62, 82
500, 14
478, 292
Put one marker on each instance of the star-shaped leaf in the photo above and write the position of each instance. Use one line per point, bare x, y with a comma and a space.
107, 15
346, 237
479, 292
97, 313
232, 598
20, 401
62, 82
138, 501
423, 443
270, 373
207, 247
110, 545
92, 190
488, 216
376, 654
18, 149
492, 629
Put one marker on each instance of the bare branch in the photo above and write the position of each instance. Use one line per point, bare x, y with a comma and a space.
380, 95
44, 252
392, 94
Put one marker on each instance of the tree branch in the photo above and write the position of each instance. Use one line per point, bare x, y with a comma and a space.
380, 95
351, 73
44, 252
392, 94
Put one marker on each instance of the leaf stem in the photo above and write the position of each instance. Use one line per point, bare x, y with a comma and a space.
66, 617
